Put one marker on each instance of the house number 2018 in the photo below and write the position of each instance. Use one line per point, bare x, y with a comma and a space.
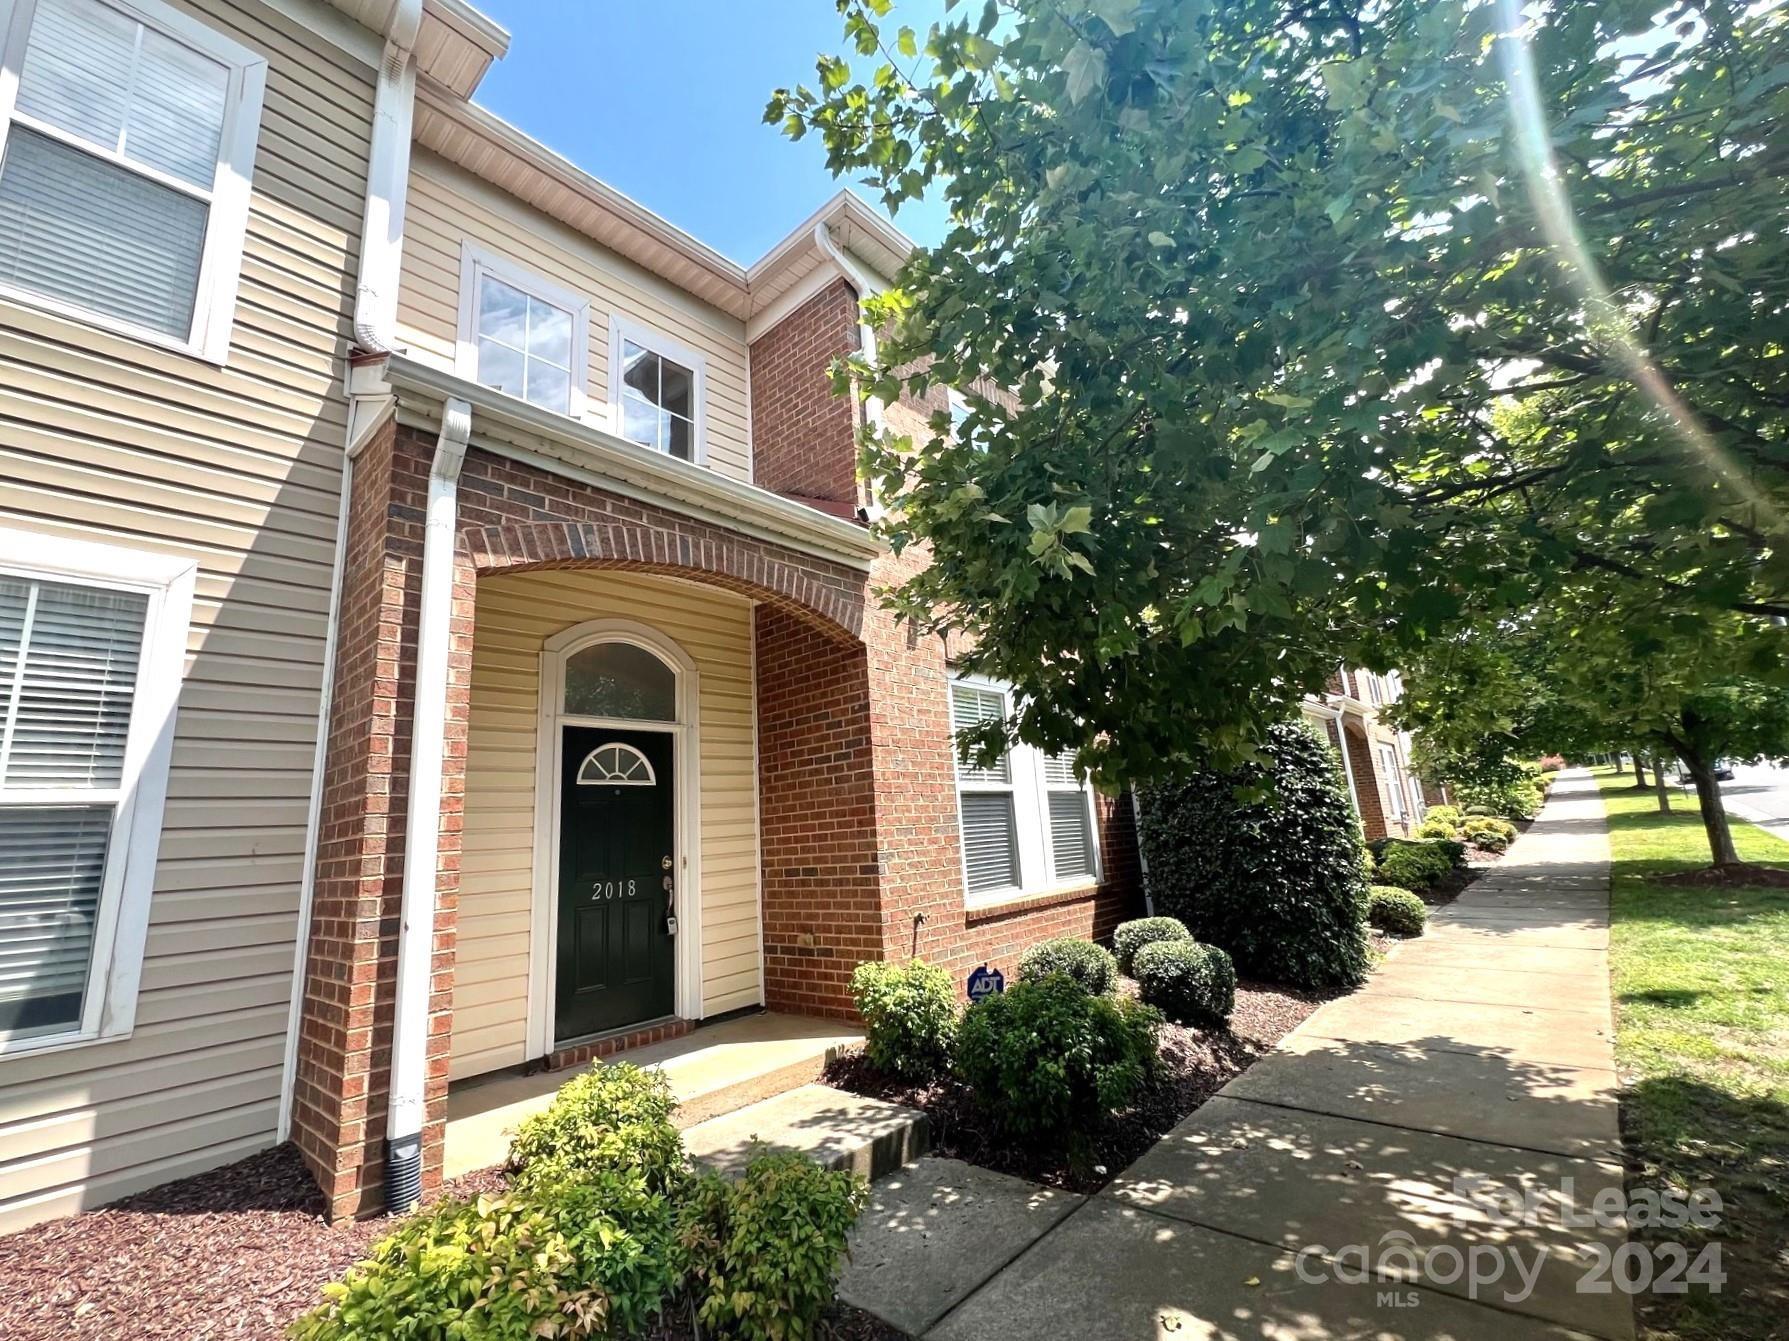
613, 889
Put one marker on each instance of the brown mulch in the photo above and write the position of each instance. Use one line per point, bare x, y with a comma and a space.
1196, 1063
238, 1252
1740, 875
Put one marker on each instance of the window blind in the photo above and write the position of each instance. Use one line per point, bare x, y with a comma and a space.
68, 675
87, 225
969, 707
1071, 836
990, 845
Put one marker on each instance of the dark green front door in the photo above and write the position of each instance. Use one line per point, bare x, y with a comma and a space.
616, 849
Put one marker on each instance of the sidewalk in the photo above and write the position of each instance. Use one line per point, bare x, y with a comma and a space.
1482, 1050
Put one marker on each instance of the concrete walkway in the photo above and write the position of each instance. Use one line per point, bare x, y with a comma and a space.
1480, 1052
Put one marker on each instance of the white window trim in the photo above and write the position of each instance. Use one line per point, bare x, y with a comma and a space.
476, 261
1031, 815
226, 227
109, 1006
664, 346
1388, 756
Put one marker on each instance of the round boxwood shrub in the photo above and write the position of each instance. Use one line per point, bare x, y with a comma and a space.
1416, 863
610, 1119
1396, 910
1278, 881
1088, 964
1047, 1061
581, 1259
909, 1016
1187, 981
1133, 936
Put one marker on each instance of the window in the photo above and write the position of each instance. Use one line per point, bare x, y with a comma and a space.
616, 679
124, 179
616, 765
1394, 780
985, 798
521, 335
1027, 821
90, 659
655, 391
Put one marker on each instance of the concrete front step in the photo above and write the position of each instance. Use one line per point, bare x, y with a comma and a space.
835, 1129
714, 1069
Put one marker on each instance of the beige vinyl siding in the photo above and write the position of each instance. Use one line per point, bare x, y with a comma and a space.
109, 440
448, 206
515, 615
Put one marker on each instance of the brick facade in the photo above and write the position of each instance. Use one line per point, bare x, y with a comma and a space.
1369, 792
804, 437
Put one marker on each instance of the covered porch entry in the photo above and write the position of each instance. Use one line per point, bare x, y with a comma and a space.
609, 869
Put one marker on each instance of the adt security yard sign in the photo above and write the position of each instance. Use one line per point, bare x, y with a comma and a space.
985, 982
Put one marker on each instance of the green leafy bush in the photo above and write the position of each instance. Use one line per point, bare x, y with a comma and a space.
1047, 1061
1488, 832
1088, 964
610, 1119
1448, 815
764, 1252
1132, 936
1396, 910
1187, 981
1415, 864
1516, 793
584, 1259
909, 1014
1273, 876
1432, 828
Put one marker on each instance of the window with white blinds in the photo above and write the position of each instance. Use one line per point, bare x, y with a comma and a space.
69, 657
1026, 820
123, 180
985, 801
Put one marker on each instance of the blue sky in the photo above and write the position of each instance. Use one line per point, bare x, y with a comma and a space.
664, 99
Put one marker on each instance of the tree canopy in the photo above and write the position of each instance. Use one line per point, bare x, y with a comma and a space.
1317, 323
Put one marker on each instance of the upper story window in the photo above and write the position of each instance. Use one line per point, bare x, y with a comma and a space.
129, 137
655, 391
92, 641
521, 334
1026, 821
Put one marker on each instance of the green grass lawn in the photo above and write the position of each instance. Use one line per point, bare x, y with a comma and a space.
1701, 981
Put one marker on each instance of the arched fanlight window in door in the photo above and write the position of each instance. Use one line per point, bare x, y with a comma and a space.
616, 765
620, 679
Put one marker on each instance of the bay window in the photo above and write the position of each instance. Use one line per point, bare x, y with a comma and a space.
128, 134
91, 645
1026, 821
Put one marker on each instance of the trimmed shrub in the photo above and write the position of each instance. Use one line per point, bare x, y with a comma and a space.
1413, 864
1278, 882
1488, 832
764, 1252
1048, 1061
1396, 910
582, 1259
612, 1119
1133, 936
1448, 815
909, 1016
1188, 982
1088, 964
1431, 828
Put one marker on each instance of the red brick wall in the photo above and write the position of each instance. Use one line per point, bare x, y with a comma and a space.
803, 436
817, 800
1366, 786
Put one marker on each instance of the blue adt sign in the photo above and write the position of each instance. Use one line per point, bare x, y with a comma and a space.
985, 982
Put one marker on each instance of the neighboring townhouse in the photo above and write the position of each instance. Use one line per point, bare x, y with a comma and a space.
438, 632
1387, 796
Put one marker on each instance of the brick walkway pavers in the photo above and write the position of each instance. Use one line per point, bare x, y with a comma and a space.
1480, 1055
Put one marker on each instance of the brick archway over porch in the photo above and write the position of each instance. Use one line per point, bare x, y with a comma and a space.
832, 603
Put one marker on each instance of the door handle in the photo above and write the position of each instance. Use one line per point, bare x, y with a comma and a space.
670, 897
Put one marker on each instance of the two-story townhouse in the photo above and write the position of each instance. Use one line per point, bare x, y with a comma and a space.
184, 205
1387, 795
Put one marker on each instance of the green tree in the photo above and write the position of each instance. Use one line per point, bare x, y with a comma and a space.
1318, 321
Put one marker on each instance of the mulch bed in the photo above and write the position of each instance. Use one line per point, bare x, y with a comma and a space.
1740, 875
238, 1252
1196, 1063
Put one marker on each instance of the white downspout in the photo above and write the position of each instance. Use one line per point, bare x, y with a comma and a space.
406, 1109
375, 315
866, 334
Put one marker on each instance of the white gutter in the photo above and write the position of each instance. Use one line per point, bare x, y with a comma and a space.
388, 183
855, 277
375, 315
406, 1109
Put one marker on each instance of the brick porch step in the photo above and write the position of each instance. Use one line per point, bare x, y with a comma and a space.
835, 1129
713, 1070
